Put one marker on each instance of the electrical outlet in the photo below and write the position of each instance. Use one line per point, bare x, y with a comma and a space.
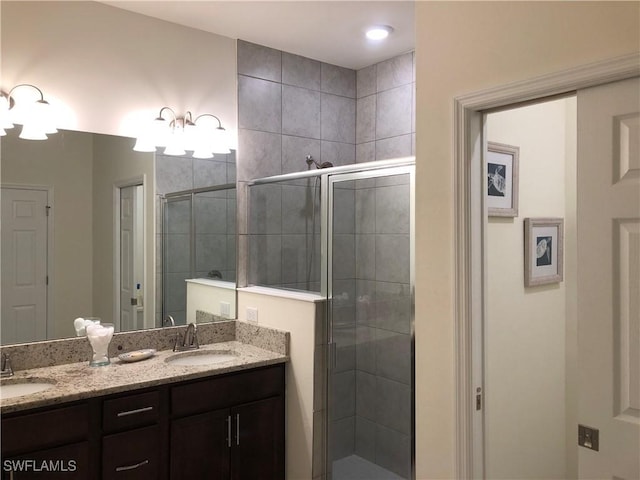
252, 314
225, 309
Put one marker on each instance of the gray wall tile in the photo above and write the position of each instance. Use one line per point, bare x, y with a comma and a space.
295, 151
392, 258
265, 260
366, 119
265, 209
366, 351
393, 356
259, 154
365, 302
393, 451
173, 174
393, 405
366, 81
365, 257
298, 204
207, 173
300, 71
294, 258
337, 153
210, 215
178, 217
365, 152
395, 72
338, 80
393, 113
366, 210
344, 256
258, 61
345, 338
259, 104
300, 112
338, 118
365, 443
342, 438
392, 209
178, 256
344, 211
211, 252
366, 395
344, 399
393, 147
393, 307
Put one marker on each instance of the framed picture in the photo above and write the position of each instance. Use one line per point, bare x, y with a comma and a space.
543, 251
502, 180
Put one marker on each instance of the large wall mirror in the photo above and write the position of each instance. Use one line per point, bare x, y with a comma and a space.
91, 228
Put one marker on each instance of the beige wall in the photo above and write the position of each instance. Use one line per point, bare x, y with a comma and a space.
525, 339
205, 295
463, 47
114, 163
299, 318
63, 163
107, 68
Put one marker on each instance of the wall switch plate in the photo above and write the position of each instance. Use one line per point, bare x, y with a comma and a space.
225, 309
588, 437
252, 314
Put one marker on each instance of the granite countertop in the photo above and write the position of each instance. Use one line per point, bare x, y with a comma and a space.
78, 381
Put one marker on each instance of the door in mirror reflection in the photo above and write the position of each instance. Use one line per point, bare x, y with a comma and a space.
24, 264
131, 257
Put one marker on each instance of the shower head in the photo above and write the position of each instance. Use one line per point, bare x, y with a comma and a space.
311, 161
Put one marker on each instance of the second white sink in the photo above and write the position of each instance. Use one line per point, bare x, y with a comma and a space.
10, 390
201, 358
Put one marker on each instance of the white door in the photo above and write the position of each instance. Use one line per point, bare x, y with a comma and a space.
24, 265
609, 278
127, 258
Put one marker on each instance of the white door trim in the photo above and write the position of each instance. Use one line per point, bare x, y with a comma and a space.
50, 252
469, 235
130, 182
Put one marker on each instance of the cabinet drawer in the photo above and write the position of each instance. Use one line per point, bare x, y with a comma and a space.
131, 411
224, 391
134, 454
46, 429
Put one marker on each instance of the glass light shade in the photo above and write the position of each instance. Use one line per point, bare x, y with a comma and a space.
175, 144
220, 141
191, 137
20, 112
160, 132
45, 115
144, 144
2, 132
204, 153
32, 131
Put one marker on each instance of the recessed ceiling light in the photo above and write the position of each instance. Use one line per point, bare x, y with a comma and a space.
379, 32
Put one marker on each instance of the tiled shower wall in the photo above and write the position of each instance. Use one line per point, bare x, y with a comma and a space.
289, 107
215, 216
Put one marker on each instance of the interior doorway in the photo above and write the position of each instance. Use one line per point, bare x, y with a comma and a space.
530, 332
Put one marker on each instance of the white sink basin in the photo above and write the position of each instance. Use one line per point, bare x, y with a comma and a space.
10, 390
201, 358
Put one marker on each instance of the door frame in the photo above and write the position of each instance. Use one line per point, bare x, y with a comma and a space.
130, 182
50, 252
470, 234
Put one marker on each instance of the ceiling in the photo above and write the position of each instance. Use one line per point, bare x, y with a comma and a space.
329, 31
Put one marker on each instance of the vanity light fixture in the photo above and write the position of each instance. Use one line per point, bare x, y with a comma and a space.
379, 32
203, 135
25, 105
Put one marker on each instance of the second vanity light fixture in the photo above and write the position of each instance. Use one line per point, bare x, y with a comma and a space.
25, 105
203, 135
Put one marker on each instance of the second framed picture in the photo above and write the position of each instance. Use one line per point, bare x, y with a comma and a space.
543, 251
502, 180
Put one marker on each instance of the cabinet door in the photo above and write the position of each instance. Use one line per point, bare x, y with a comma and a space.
258, 444
199, 446
69, 462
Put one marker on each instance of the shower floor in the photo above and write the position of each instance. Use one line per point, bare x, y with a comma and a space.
354, 467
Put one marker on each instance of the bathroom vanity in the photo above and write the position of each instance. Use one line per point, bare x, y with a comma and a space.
151, 419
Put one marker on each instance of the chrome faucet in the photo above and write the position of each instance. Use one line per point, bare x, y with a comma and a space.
189, 341
5, 367
169, 322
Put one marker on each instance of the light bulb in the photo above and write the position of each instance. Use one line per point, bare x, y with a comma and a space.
32, 131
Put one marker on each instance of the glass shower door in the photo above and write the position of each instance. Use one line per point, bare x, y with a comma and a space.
370, 286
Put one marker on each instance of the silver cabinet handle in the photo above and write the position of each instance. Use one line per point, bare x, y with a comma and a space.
133, 412
237, 429
229, 431
132, 467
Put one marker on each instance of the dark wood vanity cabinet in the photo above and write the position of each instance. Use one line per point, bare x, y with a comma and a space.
224, 427
229, 427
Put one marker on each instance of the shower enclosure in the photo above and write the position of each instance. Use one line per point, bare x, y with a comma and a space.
198, 241
347, 233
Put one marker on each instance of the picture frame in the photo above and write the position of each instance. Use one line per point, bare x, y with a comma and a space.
502, 172
543, 251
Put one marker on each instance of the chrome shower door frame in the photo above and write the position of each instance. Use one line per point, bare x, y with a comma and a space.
372, 170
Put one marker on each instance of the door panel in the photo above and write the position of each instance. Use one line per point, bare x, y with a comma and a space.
609, 277
24, 265
127, 286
